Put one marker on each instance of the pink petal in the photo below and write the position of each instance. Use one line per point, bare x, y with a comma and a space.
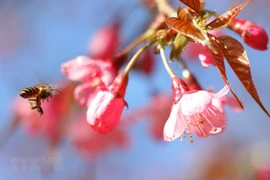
222, 92
195, 103
85, 92
105, 111
231, 102
83, 68
218, 104
174, 126
217, 118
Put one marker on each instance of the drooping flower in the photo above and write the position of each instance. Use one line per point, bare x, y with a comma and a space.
253, 35
105, 42
219, 103
193, 109
92, 73
106, 108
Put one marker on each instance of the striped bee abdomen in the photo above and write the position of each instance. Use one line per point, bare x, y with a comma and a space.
29, 92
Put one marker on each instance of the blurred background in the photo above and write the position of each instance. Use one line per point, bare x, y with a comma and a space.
36, 37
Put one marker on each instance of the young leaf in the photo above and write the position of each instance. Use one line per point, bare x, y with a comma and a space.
185, 25
237, 58
178, 46
225, 18
219, 60
193, 4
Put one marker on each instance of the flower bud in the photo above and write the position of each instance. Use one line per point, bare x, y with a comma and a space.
253, 35
105, 111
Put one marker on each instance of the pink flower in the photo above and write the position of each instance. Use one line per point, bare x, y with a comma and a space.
93, 74
105, 42
205, 56
106, 108
193, 50
193, 109
83, 68
91, 144
262, 173
203, 52
253, 35
219, 103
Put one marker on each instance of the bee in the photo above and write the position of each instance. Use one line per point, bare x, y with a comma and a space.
36, 94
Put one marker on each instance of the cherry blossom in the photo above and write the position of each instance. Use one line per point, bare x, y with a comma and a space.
106, 108
193, 108
92, 73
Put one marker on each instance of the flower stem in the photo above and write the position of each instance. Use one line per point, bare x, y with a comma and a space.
182, 63
137, 55
147, 34
165, 62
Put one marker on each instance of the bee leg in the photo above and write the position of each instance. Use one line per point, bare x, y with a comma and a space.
40, 110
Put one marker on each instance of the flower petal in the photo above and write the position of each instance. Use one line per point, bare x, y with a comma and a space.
195, 103
174, 126
222, 92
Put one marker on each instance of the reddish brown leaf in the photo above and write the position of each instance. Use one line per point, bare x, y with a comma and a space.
193, 4
186, 26
183, 14
226, 17
219, 60
237, 58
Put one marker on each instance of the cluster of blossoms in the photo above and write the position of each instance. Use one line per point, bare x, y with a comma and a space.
193, 109
101, 80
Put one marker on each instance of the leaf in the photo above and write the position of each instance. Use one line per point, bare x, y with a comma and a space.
219, 60
178, 46
193, 4
225, 18
183, 14
237, 58
187, 26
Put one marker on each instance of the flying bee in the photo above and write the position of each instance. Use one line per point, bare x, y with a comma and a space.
38, 93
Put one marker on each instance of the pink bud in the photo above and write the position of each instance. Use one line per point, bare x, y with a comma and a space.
106, 108
253, 35
105, 42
